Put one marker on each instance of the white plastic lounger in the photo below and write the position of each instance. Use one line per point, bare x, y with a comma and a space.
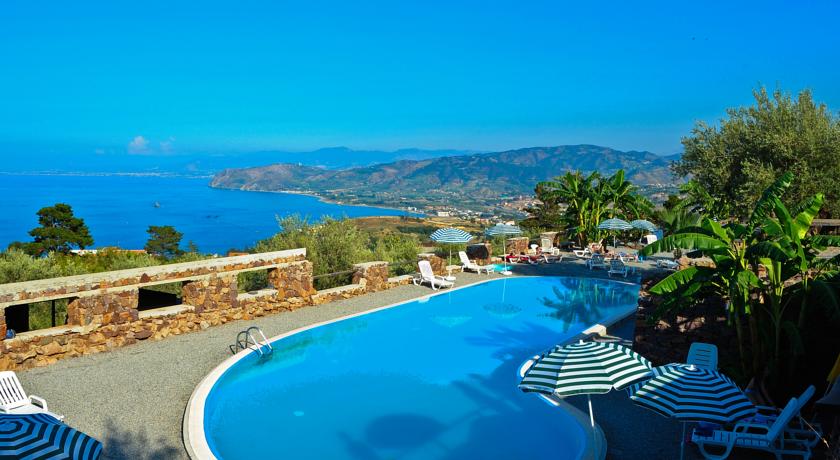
799, 428
428, 276
13, 400
583, 253
467, 264
749, 435
548, 248
618, 267
597, 261
703, 355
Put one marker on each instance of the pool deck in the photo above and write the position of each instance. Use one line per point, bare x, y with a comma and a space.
133, 398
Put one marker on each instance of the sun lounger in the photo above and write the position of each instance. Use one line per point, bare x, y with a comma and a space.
13, 399
703, 355
428, 276
799, 428
617, 267
749, 435
596, 261
582, 253
548, 248
467, 264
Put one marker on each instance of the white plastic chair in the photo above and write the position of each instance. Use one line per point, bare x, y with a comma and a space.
13, 399
428, 276
748, 435
467, 264
703, 355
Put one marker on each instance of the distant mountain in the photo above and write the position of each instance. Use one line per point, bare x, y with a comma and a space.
480, 177
208, 163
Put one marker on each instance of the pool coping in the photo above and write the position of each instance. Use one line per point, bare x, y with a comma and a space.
195, 441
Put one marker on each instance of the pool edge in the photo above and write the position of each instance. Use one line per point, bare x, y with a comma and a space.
195, 441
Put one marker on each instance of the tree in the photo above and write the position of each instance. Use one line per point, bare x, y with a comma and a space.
164, 241
59, 231
734, 162
589, 199
760, 267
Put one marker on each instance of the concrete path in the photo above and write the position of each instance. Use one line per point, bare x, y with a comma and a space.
133, 398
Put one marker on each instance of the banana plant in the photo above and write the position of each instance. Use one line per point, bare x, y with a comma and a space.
731, 276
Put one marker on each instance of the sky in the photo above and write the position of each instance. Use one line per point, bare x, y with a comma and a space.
164, 77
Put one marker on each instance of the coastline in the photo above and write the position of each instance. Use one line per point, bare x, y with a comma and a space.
323, 199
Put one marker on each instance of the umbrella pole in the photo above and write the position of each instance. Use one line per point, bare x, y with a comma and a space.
591, 415
682, 443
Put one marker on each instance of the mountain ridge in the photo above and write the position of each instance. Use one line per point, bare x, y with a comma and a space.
476, 178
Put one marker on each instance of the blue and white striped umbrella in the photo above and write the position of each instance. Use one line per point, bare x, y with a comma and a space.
642, 224
692, 394
451, 235
503, 230
585, 368
40, 436
615, 224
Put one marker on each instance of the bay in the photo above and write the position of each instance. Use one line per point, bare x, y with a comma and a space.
119, 209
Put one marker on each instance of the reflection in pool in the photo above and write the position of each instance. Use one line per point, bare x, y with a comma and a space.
418, 381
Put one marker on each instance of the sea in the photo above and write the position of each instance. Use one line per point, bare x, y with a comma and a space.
118, 209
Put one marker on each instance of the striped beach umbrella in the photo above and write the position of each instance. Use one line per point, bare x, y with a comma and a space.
503, 230
451, 235
585, 368
40, 436
615, 224
692, 394
645, 225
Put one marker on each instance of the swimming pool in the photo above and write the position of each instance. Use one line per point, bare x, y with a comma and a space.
431, 378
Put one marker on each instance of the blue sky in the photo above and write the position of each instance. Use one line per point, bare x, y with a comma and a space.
167, 77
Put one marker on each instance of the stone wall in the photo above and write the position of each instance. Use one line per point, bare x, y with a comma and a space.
518, 245
104, 319
109, 308
480, 253
217, 292
438, 264
293, 280
373, 276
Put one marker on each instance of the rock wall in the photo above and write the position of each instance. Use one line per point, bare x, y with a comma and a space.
373, 276
293, 280
108, 308
209, 294
480, 253
106, 319
516, 245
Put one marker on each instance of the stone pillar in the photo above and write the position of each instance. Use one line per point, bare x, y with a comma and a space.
293, 280
551, 236
516, 245
372, 275
111, 308
438, 264
2, 324
480, 253
211, 294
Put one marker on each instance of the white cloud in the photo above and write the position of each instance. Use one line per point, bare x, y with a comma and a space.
167, 145
138, 145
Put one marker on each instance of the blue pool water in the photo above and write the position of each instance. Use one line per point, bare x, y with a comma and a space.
434, 378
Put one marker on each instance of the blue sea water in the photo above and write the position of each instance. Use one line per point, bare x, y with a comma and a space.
430, 379
119, 209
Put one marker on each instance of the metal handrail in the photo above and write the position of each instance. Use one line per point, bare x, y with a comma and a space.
245, 339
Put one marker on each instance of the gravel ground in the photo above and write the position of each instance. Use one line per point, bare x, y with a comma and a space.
133, 398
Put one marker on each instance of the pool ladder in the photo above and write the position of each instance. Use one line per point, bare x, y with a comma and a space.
246, 339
